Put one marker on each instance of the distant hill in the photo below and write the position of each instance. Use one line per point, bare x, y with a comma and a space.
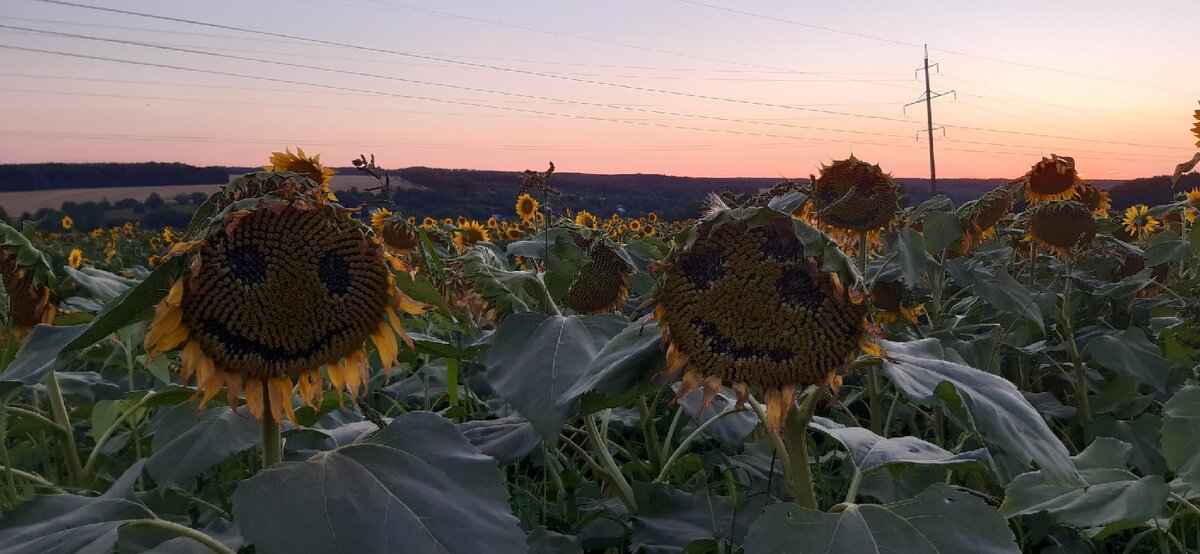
23, 177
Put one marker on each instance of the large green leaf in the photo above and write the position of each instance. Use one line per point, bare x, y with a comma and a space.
1131, 354
939, 520
621, 370
910, 246
536, 358
1184, 168
1181, 435
940, 230
1007, 295
415, 486
188, 441
668, 519
37, 355
869, 451
1110, 498
987, 403
508, 439
135, 303
510, 291
67, 524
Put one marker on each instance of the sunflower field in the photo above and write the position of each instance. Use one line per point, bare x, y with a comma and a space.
816, 368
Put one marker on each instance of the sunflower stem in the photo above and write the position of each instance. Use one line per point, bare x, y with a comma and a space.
183, 531
687, 441
59, 409
876, 402
272, 444
653, 446
108, 433
1082, 403
611, 470
795, 438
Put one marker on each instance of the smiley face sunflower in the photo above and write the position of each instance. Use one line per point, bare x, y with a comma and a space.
281, 287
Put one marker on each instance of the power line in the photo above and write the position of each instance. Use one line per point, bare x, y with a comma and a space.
584, 81
481, 105
944, 50
769, 123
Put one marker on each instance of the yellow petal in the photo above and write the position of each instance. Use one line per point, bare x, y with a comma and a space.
385, 343
254, 398
398, 327
406, 304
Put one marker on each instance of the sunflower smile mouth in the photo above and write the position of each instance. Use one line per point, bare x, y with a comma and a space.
241, 346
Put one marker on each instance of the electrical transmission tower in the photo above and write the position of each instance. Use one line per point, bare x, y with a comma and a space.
927, 98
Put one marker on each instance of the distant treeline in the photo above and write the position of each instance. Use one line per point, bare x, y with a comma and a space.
481, 194
20, 177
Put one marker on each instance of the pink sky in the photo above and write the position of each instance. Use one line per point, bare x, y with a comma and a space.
670, 86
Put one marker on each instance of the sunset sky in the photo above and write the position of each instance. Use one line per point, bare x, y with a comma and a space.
679, 87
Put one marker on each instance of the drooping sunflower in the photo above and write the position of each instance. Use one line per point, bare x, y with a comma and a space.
893, 303
1061, 225
527, 206
852, 198
67, 222
602, 284
304, 165
745, 305
75, 258
1138, 223
1192, 197
1095, 199
280, 284
1053, 178
470, 233
979, 217
27, 276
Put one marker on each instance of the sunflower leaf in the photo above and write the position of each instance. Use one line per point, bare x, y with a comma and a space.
67, 524
415, 486
939, 520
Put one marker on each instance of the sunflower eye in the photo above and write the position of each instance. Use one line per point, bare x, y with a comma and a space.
333, 273
247, 264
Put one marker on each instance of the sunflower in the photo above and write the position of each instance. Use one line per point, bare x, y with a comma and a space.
513, 233
1196, 128
67, 222
635, 225
492, 223
281, 284
1095, 199
893, 303
1138, 223
978, 218
745, 305
470, 233
448, 221
26, 275
1053, 178
1192, 197
527, 206
652, 217
398, 234
1061, 225
379, 216
602, 285
304, 165
585, 219
75, 258
429, 222
850, 199
167, 235
97, 232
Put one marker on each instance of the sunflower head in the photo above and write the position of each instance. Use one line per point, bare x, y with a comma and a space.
585, 219
470, 233
602, 284
1196, 128
635, 225
893, 302
67, 222
1053, 178
979, 217
744, 302
1138, 223
1061, 225
652, 217
379, 216
27, 277
75, 258
527, 206
304, 165
854, 195
1095, 199
279, 286
513, 233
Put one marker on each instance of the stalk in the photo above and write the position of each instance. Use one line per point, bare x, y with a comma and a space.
1083, 405
182, 531
599, 444
272, 444
59, 408
873, 396
795, 437
687, 441
653, 447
